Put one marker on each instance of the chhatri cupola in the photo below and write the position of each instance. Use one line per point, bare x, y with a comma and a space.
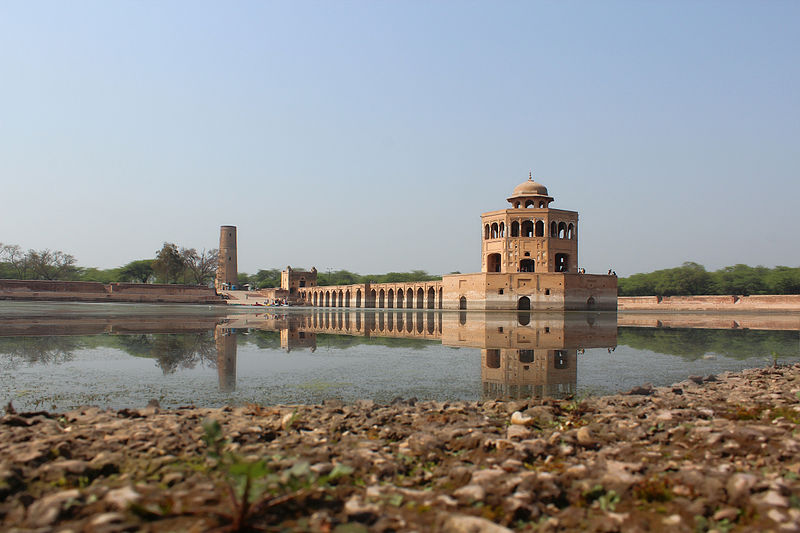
530, 194
530, 236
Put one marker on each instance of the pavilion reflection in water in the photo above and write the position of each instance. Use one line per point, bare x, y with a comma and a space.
523, 354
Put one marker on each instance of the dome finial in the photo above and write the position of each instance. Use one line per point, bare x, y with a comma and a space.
530, 176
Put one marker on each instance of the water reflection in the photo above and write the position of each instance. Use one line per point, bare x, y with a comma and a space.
522, 354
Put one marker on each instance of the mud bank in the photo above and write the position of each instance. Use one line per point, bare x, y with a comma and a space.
711, 453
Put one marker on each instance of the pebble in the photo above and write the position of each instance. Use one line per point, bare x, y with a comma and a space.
723, 449
521, 419
121, 498
459, 523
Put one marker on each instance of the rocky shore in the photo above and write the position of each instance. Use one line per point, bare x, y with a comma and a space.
708, 454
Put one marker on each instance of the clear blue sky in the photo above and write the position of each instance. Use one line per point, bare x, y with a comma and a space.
371, 135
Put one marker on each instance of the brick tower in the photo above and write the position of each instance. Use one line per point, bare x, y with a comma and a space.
227, 271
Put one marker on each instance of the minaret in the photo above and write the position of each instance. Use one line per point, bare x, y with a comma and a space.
227, 271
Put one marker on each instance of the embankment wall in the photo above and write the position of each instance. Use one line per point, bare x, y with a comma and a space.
760, 302
87, 291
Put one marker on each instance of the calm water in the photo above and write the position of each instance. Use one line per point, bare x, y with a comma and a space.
59, 356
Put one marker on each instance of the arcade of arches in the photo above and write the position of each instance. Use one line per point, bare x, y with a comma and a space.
420, 295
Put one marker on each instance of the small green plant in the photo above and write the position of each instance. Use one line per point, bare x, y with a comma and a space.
254, 485
703, 524
608, 501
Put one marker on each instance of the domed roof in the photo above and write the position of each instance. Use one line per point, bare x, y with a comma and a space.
529, 188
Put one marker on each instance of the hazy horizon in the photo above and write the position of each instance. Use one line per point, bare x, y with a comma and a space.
371, 136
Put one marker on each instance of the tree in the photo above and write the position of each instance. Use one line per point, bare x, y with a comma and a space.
169, 265
202, 267
15, 258
51, 265
268, 278
140, 271
108, 275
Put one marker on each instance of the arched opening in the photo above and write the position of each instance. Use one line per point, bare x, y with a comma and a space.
515, 229
420, 298
562, 230
570, 231
560, 359
327, 298
529, 203
516, 205
431, 298
539, 228
462, 302
340, 299
502, 229
492, 358
372, 298
390, 298
358, 298
524, 304
542, 205
524, 318
526, 356
562, 262
409, 298
400, 298
381, 300
486, 231
590, 304
333, 299
347, 299
553, 229
493, 263
494, 231
315, 299
526, 265
302, 282
527, 228
440, 297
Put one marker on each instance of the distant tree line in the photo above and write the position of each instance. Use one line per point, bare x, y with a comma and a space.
693, 279
171, 265
272, 278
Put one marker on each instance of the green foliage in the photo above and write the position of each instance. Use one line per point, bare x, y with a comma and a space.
268, 278
264, 279
169, 264
199, 267
345, 277
139, 271
102, 276
42, 264
695, 343
693, 279
255, 485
